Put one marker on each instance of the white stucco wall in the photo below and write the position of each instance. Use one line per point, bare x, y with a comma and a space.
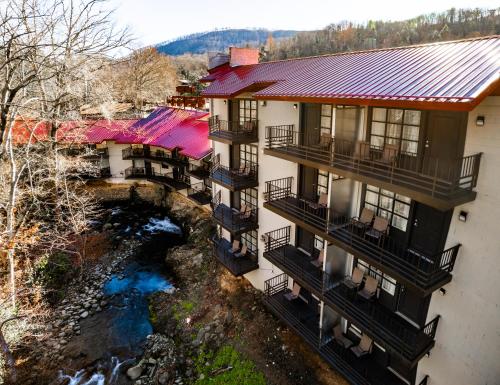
467, 350
116, 163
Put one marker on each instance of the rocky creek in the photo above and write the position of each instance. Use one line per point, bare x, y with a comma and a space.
104, 321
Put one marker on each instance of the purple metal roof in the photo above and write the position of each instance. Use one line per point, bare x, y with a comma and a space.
452, 72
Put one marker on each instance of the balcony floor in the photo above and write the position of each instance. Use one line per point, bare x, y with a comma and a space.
237, 266
201, 198
231, 181
228, 218
229, 137
303, 320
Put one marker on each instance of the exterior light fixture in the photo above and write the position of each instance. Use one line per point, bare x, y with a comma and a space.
263, 103
480, 121
225, 101
295, 106
462, 216
442, 291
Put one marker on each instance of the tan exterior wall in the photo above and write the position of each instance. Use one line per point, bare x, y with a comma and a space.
467, 350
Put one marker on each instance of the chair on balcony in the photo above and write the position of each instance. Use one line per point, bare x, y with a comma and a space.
321, 204
247, 127
245, 212
354, 281
325, 142
389, 154
361, 150
370, 288
294, 294
235, 247
379, 229
364, 347
242, 253
319, 261
364, 220
339, 337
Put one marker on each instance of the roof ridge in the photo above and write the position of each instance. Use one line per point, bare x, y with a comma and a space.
380, 49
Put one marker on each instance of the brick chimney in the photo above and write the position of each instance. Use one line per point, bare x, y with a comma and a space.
243, 56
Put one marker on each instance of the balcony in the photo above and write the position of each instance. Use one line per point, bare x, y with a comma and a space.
238, 266
296, 263
233, 132
175, 160
235, 179
442, 185
199, 172
144, 153
97, 154
304, 320
234, 220
426, 273
199, 193
167, 179
382, 324
186, 102
102, 173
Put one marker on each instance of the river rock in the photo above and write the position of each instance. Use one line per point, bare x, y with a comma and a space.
134, 372
85, 314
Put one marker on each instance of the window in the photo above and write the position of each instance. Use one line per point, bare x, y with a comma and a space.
396, 127
322, 182
248, 153
326, 118
318, 242
247, 110
388, 283
386, 204
250, 239
249, 197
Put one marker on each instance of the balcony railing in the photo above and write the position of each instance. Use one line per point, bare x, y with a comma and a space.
423, 271
234, 220
186, 102
383, 324
440, 183
175, 160
150, 174
296, 263
233, 131
304, 320
200, 172
145, 153
237, 265
246, 176
200, 193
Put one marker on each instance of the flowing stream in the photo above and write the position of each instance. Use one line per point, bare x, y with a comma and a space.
121, 329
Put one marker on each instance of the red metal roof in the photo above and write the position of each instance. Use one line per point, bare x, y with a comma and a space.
165, 127
448, 72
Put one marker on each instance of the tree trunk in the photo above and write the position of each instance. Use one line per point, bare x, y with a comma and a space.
12, 277
9, 359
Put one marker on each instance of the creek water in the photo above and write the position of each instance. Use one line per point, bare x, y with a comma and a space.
119, 331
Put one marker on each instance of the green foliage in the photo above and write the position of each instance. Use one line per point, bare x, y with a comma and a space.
51, 271
183, 309
214, 369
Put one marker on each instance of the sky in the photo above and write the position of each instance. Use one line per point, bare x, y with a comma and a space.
154, 21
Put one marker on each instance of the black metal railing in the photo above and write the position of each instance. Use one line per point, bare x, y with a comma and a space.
200, 193
186, 101
105, 172
296, 263
383, 324
435, 177
236, 221
145, 153
199, 171
236, 264
175, 160
301, 318
178, 182
233, 130
245, 176
420, 269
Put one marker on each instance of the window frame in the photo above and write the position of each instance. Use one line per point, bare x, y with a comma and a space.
247, 106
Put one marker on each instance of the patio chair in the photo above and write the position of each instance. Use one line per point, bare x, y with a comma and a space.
235, 247
355, 279
389, 154
294, 294
325, 141
322, 202
364, 347
339, 337
361, 150
379, 229
245, 212
370, 288
241, 253
319, 261
364, 220
247, 126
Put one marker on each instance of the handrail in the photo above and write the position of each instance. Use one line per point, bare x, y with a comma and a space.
415, 266
186, 101
236, 128
235, 176
433, 176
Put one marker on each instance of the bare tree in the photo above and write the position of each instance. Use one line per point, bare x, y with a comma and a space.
146, 76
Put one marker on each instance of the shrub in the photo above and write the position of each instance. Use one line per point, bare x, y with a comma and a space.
227, 367
52, 270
